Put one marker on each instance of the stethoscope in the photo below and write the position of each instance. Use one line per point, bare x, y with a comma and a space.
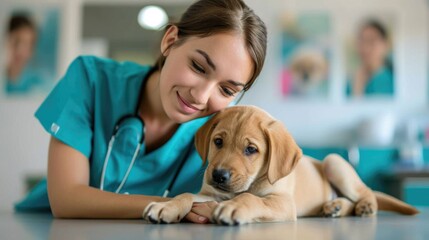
135, 122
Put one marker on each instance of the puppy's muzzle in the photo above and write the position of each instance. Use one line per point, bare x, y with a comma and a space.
306, 76
221, 176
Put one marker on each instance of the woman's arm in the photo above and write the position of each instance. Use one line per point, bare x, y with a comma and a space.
71, 196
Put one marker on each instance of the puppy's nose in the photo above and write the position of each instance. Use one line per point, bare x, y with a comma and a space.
221, 175
306, 76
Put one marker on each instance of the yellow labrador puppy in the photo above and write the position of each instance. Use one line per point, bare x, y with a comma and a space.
258, 174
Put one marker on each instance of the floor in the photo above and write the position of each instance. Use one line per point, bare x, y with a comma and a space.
384, 226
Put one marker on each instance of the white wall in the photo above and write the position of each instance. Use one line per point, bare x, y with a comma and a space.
23, 143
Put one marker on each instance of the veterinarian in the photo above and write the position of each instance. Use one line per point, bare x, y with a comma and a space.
123, 134
21, 38
375, 73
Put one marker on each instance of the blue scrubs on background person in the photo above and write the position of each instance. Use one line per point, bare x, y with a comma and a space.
82, 111
380, 83
26, 83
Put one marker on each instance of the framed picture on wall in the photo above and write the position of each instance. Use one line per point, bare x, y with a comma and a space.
306, 54
369, 57
30, 46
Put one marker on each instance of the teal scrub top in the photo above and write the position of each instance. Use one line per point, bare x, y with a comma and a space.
28, 81
380, 83
82, 111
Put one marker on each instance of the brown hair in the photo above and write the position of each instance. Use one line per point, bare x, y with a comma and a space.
18, 21
208, 17
372, 23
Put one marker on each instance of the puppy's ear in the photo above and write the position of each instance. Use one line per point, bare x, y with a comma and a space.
283, 152
202, 137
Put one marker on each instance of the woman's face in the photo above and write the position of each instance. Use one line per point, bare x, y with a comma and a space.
372, 47
20, 45
202, 75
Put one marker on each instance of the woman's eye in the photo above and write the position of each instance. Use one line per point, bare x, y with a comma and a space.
250, 150
198, 68
218, 142
228, 92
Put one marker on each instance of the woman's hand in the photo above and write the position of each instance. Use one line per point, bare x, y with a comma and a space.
201, 212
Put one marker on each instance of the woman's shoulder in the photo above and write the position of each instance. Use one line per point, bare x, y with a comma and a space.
102, 64
99, 71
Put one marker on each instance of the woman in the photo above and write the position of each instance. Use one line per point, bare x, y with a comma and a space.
21, 40
375, 73
212, 54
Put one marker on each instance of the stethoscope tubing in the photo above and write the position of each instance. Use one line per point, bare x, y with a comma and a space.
106, 161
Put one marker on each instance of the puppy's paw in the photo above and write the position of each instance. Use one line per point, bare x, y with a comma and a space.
163, 212
332, 208
366, 208
231, 213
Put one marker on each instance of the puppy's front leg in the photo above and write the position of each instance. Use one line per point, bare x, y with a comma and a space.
248, 208
173, 210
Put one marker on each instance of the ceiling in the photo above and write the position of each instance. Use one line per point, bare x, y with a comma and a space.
117, 25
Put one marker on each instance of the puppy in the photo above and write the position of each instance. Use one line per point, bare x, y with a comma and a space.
257, 173
309, 69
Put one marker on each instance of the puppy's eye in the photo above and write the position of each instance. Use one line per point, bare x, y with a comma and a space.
218, 142
250, 150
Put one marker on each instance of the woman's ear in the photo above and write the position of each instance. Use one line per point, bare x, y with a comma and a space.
170, 36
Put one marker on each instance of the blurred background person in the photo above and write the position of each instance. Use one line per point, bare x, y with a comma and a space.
21, 38
374, 73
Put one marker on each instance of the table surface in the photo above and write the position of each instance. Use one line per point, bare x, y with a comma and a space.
384, 226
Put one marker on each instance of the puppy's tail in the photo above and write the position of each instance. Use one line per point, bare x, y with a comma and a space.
389, 203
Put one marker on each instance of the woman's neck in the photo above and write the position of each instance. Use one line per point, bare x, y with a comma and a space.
13, 72
159, 127
150, 104
374, 66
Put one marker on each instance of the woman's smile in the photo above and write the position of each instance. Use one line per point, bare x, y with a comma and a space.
185, 106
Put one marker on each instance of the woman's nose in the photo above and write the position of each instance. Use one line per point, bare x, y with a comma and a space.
202, 93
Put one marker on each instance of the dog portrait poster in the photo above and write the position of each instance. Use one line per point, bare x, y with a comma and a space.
30, 39
369, 56
306, 54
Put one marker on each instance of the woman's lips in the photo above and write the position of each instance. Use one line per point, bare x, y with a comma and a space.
185, 106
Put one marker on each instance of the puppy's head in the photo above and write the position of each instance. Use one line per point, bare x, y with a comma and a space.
309, 70
243, 144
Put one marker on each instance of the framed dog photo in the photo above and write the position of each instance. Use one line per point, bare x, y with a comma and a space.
306, 54
30, 46
369, 57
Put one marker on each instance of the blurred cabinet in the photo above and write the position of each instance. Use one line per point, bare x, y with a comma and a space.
375, 169
412, 187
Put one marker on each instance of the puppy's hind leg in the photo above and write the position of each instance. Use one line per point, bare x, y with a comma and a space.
342, 175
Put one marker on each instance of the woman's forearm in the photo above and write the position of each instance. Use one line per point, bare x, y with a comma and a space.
88, 202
